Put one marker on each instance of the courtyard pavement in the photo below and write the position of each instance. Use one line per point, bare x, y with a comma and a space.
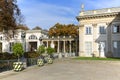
68, 69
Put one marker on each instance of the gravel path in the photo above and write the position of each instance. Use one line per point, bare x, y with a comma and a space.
67, 69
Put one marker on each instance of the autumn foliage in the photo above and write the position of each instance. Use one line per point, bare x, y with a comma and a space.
64, 30
9, 15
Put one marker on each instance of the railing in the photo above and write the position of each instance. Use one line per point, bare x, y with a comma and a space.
6, 65
101, 11
31, 61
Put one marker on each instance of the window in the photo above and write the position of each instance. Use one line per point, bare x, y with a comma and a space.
32, 37
88, 48
88, 30
116, 48
102, 30
116, 29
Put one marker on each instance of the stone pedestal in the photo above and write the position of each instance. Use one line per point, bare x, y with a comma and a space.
66, 54
59, 55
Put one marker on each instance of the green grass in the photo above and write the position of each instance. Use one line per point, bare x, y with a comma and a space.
96, 58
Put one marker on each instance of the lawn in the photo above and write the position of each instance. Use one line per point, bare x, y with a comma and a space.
96, 58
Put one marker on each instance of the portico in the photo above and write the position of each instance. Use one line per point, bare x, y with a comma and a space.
62, 44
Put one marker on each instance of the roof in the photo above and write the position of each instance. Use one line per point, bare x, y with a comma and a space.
100, 11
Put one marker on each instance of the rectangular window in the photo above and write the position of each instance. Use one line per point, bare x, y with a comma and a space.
88, 48
116, 48
102, 30
88, 30
116, 29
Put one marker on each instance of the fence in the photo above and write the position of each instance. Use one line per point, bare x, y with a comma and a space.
6, 65
31, 61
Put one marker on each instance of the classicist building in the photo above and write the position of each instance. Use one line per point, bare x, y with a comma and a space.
99, 32
31, 40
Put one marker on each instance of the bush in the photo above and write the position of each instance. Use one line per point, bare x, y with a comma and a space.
50, 50
7, 56
41, 50
17, 49
31, 54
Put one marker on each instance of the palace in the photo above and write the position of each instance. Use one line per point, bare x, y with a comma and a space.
31, 40
99, 32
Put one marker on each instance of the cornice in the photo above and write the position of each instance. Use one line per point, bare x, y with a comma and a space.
85, 17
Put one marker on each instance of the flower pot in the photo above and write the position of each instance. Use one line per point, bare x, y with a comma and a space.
40, 62
18, 66
49, 60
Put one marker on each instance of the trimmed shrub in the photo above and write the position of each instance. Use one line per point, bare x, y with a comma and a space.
17, 49
7, 56
50, 50
41, 50
31, 54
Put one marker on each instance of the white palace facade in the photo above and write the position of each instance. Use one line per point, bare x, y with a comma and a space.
29, 38
32, 39
99, 32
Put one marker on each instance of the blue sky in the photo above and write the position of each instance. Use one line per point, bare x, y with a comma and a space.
46, 13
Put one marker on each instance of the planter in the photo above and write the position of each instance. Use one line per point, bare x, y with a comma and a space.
49, 60
40, 62
18, 66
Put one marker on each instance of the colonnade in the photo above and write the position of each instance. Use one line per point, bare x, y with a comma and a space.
59, 45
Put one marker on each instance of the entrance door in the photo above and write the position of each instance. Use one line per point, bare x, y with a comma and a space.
88, 48
33, 46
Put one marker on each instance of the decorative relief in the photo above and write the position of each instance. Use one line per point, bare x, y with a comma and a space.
108, 23
94, 25
81, 25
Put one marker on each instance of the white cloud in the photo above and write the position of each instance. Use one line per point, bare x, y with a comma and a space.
46, 15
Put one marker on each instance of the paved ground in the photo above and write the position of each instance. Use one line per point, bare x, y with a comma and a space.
68, 70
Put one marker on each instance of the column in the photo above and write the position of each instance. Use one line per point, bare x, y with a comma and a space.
58, 51
70, 46
81, 40
64, 46
47, 44
94, 40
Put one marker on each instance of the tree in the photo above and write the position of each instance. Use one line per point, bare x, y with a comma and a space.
64, 30
50, 50
9, 16
23, 27
37, 28
17, 49
41, 49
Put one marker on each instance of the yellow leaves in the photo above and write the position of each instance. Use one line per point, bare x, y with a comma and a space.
63, 30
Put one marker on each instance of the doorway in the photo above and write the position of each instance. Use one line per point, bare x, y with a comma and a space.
32, 46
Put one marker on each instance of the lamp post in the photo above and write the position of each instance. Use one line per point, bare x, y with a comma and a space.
23, 39
77, 38
40, 39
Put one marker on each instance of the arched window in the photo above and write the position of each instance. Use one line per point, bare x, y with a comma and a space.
32, 37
